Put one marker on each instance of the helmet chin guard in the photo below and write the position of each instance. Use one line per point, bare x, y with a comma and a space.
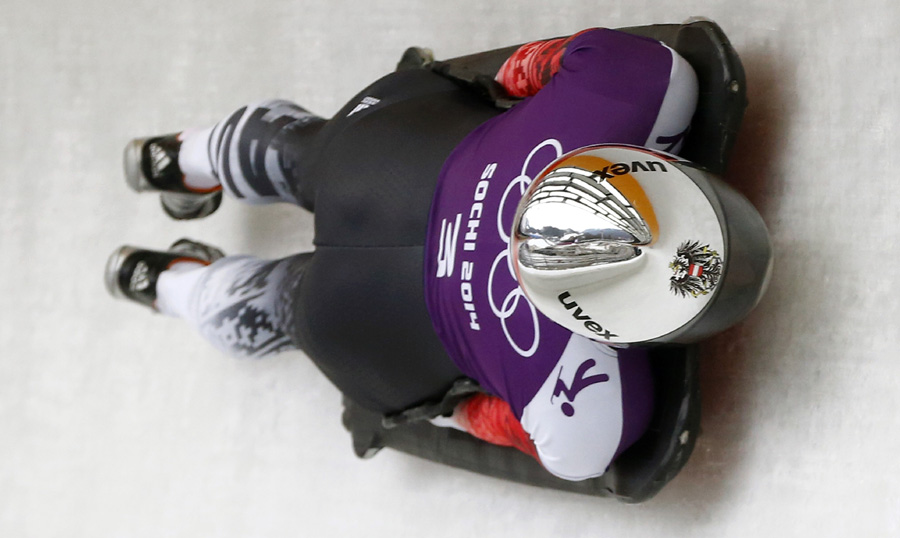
627, 245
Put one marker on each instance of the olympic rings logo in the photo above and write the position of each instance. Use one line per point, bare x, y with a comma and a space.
510, 304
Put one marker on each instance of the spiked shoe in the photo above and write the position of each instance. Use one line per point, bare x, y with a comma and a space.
151, 164
132, 273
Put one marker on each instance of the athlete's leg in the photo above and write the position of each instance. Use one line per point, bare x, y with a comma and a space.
253, 153
240, 304
256, 155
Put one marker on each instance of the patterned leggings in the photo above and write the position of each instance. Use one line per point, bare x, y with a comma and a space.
239, 303
356, 306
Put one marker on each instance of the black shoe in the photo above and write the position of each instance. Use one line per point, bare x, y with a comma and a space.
151, 164
131, 273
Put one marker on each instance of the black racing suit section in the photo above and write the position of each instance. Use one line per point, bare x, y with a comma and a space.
370, 174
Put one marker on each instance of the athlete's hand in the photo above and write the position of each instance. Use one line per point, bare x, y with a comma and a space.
442, 421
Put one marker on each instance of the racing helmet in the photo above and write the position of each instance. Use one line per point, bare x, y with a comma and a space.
627, 245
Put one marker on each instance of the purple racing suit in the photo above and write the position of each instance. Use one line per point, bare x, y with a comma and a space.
581, 402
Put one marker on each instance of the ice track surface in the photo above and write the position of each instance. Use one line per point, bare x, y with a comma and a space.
117, 423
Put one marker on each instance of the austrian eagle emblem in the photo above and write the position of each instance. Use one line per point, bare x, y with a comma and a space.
697, 269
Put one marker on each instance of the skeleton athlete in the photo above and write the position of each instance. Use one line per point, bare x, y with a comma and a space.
414, 184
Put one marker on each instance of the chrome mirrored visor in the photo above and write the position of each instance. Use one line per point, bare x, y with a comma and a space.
574, 218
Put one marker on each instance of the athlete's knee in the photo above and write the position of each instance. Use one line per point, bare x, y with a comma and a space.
247, 149
242, 304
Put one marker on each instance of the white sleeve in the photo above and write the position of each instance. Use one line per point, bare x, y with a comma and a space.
677, 108
576, 418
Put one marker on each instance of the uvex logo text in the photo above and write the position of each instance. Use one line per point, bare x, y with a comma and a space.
619, 169
579, 315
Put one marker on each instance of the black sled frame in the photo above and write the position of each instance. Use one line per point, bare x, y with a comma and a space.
642, 470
